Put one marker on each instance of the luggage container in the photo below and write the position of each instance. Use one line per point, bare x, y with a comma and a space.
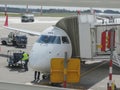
15, 58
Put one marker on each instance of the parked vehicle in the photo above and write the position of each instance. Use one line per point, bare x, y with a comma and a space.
15, 40
27, 18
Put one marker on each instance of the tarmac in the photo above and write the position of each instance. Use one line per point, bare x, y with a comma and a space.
94, 74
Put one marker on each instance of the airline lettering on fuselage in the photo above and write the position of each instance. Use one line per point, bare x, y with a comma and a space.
50, 32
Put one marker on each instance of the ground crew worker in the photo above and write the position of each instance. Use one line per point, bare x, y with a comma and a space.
36, 76
25, 59
114, 86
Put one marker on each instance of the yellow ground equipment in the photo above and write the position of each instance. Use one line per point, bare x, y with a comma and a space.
72, 71
57, 70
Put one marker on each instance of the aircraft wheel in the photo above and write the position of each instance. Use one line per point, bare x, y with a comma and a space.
45, 76
4, 43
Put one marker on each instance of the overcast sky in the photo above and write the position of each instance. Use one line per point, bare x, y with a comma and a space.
52, 7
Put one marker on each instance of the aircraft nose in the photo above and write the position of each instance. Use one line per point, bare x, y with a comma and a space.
32, 59
39, 59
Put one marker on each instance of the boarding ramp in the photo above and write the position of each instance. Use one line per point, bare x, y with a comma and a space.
85, 35
70, 26
116, 59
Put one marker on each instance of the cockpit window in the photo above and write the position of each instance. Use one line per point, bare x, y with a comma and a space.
65, 40
49, 39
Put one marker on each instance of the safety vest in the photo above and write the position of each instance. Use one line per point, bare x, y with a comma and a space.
25, 57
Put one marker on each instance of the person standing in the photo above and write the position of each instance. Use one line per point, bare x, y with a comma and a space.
25, 59
36, 76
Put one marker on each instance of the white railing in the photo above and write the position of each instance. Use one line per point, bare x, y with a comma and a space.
116, 59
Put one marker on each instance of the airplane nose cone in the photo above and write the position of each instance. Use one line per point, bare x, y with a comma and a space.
39, 59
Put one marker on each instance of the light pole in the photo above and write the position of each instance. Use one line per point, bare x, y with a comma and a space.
112, 38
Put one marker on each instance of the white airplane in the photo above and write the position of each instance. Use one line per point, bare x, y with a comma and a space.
52, 43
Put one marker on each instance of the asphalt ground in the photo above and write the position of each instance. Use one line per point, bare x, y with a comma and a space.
94, 74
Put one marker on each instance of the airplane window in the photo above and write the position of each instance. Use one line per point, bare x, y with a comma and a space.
56, 40
49, 39
65, 40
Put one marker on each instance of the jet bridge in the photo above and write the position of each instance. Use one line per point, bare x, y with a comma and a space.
70, 25
85, 34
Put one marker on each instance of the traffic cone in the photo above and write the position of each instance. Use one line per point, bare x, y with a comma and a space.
6, 21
